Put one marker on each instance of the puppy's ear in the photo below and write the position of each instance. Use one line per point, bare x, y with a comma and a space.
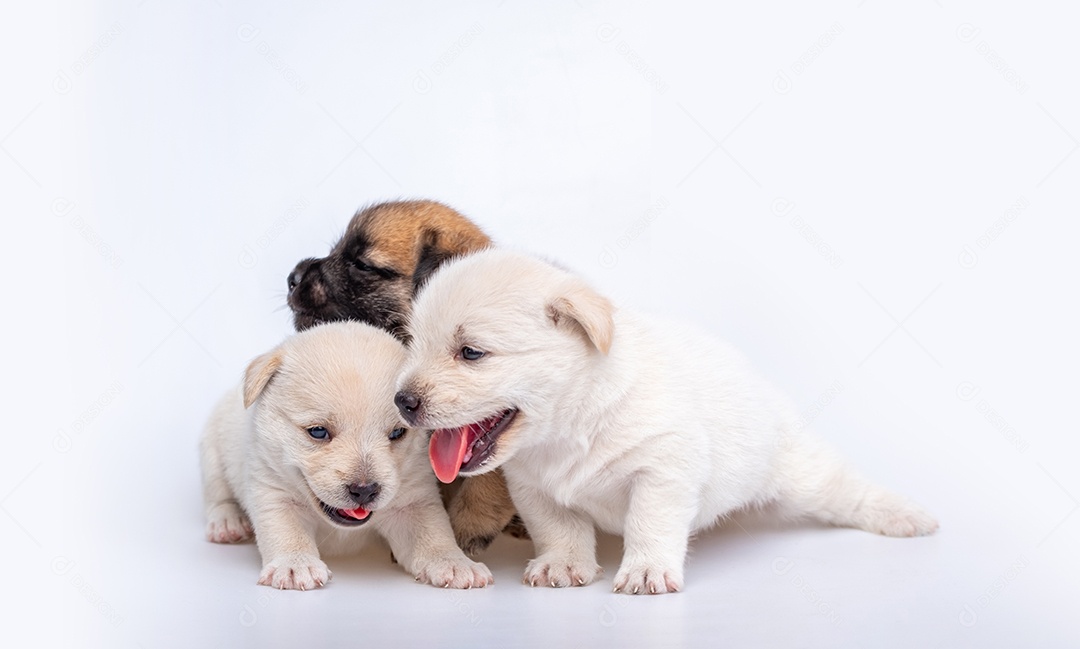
432, 255
258, 375
578, 303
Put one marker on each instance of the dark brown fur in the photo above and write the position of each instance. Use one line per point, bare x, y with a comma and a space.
371, 274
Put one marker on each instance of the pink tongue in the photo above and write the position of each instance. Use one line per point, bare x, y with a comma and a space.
359, 513
447, 450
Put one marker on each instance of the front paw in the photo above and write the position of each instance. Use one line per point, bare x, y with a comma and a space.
641, 579
299, 572
560, 572
227, 523
454, 573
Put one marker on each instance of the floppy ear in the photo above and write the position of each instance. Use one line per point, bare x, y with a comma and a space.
258, 375
579, 303
431, 256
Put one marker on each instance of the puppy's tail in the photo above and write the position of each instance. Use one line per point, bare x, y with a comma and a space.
815, 483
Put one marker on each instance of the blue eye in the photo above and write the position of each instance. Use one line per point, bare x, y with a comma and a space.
397, 433
470, 354
318, 432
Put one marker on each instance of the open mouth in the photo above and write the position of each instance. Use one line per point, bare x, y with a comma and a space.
346, 517
466, 448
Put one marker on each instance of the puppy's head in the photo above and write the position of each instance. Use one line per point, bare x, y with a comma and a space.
326, 421
499, 340
385, 255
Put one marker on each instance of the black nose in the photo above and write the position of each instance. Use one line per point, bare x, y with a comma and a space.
407, 402
297, 275
364, 493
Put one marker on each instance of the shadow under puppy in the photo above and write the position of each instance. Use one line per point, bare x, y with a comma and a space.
309, 454
371, 275
603, 417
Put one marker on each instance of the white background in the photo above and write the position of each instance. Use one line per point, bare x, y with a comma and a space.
876, 201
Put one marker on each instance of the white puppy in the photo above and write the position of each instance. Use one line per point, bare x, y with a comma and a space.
607, 418
322, 459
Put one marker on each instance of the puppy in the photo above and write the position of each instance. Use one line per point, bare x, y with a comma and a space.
320, 461
602, 417
371, 275
387, 252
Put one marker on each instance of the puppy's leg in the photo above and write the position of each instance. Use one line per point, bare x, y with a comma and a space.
516, 528
422, 541
815, 483
565, 542
286, 541
225, 520
480, 510
655, 536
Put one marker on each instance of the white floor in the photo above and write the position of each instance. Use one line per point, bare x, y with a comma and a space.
875, 201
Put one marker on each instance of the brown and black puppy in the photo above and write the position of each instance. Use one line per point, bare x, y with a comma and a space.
386, 253
371, 275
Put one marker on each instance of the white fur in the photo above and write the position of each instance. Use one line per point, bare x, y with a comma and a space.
639, 427
262, 471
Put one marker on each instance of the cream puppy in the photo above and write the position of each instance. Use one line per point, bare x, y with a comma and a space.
309, 454
601, 417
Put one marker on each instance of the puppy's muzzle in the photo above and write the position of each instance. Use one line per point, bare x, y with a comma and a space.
297, 274
300, 284
409, 404
364, 493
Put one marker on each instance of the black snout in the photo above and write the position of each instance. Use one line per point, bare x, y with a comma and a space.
297, 275
408, 403
364, 493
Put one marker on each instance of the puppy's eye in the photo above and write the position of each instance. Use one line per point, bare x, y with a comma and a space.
359, 264
470, 354
398, 433
318, 432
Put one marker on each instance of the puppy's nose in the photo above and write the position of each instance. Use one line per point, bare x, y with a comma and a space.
297, 275
363, 493
408, 403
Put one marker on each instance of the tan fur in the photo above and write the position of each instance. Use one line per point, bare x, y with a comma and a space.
399, 231
258, 374
593, 312
481, 509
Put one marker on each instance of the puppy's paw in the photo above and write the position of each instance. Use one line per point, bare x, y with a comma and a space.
479, 511
302, 572
560, 572
454, 573
647, 580
227, 523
